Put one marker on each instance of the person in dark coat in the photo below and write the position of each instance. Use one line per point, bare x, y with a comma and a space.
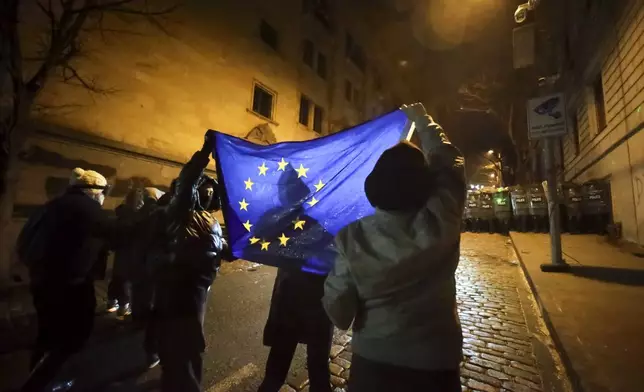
119, 290
297, 316
67, 241
296, 313
140, 268
144, 272
194, 245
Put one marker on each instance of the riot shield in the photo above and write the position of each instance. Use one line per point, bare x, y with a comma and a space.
595, 206
471, 213
538, 208
502, 210
520, 208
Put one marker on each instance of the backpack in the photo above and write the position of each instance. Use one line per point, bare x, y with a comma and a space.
30, 245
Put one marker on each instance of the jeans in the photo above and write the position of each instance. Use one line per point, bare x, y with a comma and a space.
119, 289
279, 362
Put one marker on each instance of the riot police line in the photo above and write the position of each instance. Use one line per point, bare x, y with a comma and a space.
585, 209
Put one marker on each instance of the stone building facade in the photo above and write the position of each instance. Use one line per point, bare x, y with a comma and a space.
604, 68
267, 70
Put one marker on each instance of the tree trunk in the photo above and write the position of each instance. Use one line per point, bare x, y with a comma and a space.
9, 177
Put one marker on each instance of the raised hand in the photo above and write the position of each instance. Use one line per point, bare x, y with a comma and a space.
209, 140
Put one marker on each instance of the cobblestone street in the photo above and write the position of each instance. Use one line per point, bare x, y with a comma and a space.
498, 347
502, 334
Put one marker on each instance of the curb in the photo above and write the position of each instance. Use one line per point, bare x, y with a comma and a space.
571, 374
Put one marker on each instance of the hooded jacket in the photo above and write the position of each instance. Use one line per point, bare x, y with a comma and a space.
394, 273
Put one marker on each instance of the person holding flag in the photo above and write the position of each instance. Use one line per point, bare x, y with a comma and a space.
193, 249
393, 277
283, 204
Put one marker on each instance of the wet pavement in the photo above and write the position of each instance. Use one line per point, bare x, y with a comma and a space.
501, 339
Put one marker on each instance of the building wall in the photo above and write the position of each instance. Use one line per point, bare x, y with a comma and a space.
615, 152
163, 88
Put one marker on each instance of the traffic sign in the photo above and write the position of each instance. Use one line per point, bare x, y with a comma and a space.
547, 116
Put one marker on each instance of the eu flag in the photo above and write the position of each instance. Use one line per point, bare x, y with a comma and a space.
284, 203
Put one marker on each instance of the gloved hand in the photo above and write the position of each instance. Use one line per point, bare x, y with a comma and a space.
209, 140
416, 112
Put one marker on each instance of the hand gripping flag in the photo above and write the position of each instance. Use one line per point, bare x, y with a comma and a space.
284, 203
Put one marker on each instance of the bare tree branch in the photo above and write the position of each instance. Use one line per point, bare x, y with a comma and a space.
70, 74
50, 110
103, 6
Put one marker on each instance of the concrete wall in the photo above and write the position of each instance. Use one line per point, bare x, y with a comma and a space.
165, 87
617, 151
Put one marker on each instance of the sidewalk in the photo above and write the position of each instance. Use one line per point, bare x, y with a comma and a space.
594, 312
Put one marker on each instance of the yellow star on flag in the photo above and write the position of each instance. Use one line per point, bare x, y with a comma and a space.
265, 245
301, 172
249, 184
247, 225
299, 224
283, 239
263, 169
243, 205
253, 240
282, 165
312, 202
319, 186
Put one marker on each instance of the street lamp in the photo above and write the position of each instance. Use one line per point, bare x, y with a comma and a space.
490, 152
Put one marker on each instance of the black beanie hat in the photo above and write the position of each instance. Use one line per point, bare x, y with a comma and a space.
400, 181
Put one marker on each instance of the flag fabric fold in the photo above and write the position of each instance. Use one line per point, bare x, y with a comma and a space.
284, 203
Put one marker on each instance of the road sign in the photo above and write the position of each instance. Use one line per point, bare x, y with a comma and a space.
547, 116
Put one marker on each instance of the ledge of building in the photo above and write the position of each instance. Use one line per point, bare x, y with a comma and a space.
50, 131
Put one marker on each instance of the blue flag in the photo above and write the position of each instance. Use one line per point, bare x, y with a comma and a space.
284, 203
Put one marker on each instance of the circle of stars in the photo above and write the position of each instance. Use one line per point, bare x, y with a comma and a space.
298, 224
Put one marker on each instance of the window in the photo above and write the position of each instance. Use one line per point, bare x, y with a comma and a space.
305, 105
321, 65
306, 6
308, 52
318, 114
377, 82
269, 35
348, 45
348, 90
357, 98
263, 101
600, 108
313, 59
574, 134
320, 9
355, 53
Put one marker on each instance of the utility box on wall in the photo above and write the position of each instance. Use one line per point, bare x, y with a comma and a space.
523, 46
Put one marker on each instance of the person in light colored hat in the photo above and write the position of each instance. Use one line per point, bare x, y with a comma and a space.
62, 245
90, 182
393, 277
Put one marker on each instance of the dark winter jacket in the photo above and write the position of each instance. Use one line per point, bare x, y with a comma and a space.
296, 309
72, 239
126, 254
193, 240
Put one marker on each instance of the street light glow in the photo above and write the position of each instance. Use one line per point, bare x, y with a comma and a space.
490, 152
492, 175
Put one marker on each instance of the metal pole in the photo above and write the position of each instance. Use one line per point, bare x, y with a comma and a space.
557, 262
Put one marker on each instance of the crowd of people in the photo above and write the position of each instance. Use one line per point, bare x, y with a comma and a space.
392, 282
